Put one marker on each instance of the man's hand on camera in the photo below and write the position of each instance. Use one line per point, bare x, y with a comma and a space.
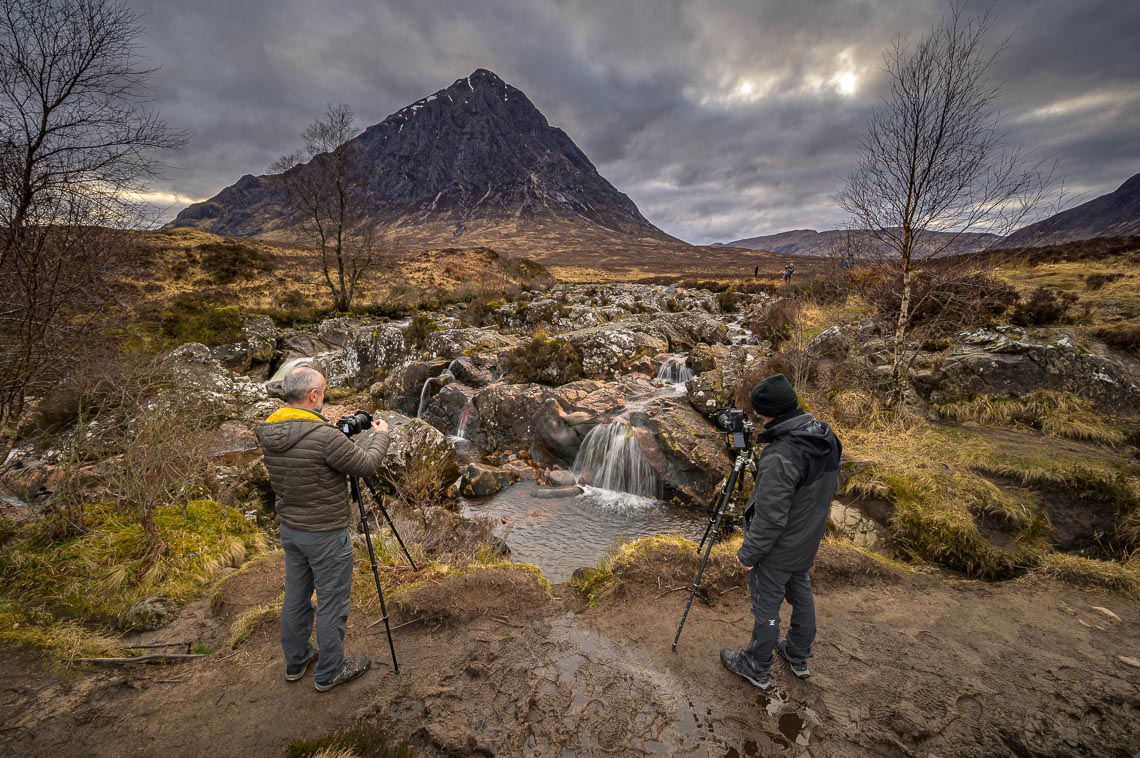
379, 425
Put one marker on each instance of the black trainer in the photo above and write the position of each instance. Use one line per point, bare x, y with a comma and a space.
734, 661
349, 670
298, 670
799, 665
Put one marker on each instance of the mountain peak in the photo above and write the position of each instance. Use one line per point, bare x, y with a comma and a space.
476, 159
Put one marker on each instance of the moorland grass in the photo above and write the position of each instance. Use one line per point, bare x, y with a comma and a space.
96, 575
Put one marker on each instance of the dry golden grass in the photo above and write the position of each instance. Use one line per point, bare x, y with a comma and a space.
253, 619
1058, 414
1084, 572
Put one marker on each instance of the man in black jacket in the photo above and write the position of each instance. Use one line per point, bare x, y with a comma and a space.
796, 480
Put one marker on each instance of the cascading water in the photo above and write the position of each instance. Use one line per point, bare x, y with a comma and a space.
611, 459
445, 377
674, 371
464, 420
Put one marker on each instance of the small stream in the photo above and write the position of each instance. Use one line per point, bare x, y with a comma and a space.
562, 534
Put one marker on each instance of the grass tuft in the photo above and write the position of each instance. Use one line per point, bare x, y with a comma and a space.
1084, 572
251, 620
1058, 414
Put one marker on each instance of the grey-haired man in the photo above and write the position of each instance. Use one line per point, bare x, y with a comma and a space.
308, 460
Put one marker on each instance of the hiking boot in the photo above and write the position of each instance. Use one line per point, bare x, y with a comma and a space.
298, 670
349, 670
735, 662
799, 665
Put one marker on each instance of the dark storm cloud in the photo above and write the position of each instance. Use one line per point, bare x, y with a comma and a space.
721, 119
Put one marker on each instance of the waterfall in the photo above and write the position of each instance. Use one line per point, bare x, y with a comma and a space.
424, 398
464, 420
674, 371
610, 458
444, 378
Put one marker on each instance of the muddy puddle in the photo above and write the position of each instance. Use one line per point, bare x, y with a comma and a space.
561, 534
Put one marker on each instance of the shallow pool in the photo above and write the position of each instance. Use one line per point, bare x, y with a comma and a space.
562, 534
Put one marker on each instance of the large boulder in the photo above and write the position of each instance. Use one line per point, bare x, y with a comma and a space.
508, 414
610, 349
684, 449
1009, 361
686, 330
404, 389
479, 480
453, 343
558, 435
446, 408
257, 345
720, 387
377, 347
421, 462
193, 374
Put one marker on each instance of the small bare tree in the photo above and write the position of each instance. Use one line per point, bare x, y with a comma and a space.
935, 159
77, 141
319, 183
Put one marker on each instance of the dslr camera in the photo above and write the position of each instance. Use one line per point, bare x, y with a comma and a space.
736, 427
355, 424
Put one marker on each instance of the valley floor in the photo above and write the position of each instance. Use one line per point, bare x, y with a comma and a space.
909, 665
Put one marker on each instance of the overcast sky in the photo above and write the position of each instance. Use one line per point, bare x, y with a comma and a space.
721, 119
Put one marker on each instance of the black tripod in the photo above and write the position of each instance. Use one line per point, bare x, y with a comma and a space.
354, 488
735, 481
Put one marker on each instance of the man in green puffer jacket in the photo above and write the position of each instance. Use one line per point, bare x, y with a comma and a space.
308, 460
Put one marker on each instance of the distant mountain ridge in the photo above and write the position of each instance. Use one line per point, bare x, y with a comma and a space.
1116, 214
475, 163
809, 242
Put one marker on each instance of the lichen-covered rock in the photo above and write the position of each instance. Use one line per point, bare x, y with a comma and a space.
474, 370
609, 350
863, 531
720, 387
830, 343
420, 460
508, 414
194, 374
683, 331
1008, 361
149, 614
405, 388
376, 347
446, 408
453, 343
702, 358
684, 449
257, 345
479, 480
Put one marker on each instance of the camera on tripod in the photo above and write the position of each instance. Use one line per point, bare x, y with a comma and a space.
355, 424
736, 426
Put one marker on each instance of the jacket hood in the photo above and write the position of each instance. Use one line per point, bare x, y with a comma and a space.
288, 426
805, 431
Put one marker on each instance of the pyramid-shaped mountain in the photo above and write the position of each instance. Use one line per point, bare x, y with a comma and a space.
475, 163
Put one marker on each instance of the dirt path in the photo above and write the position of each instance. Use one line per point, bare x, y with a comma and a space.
910, 666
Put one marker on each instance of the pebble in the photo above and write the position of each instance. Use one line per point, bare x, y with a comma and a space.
1128, 661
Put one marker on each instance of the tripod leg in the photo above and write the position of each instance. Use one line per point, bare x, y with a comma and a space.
380, 505
354, 488
736, 468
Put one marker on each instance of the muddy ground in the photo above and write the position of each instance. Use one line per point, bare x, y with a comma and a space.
905, 665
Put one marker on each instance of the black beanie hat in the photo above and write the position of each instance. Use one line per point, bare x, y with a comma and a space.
774, 397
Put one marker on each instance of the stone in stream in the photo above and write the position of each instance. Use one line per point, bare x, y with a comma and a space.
480, 480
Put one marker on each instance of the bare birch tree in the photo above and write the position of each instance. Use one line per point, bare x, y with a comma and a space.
935, 158
319, 183
77, 141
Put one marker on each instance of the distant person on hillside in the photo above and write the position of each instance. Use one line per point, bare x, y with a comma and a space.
788, 271
796, 479
755, 272
308, 459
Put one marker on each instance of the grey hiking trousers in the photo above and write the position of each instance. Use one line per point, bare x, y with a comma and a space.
321, 561
768, 588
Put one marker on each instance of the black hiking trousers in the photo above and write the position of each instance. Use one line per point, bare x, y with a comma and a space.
768, 588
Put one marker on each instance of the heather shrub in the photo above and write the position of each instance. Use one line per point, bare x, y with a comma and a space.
775, 323
545, 360
1043, 306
